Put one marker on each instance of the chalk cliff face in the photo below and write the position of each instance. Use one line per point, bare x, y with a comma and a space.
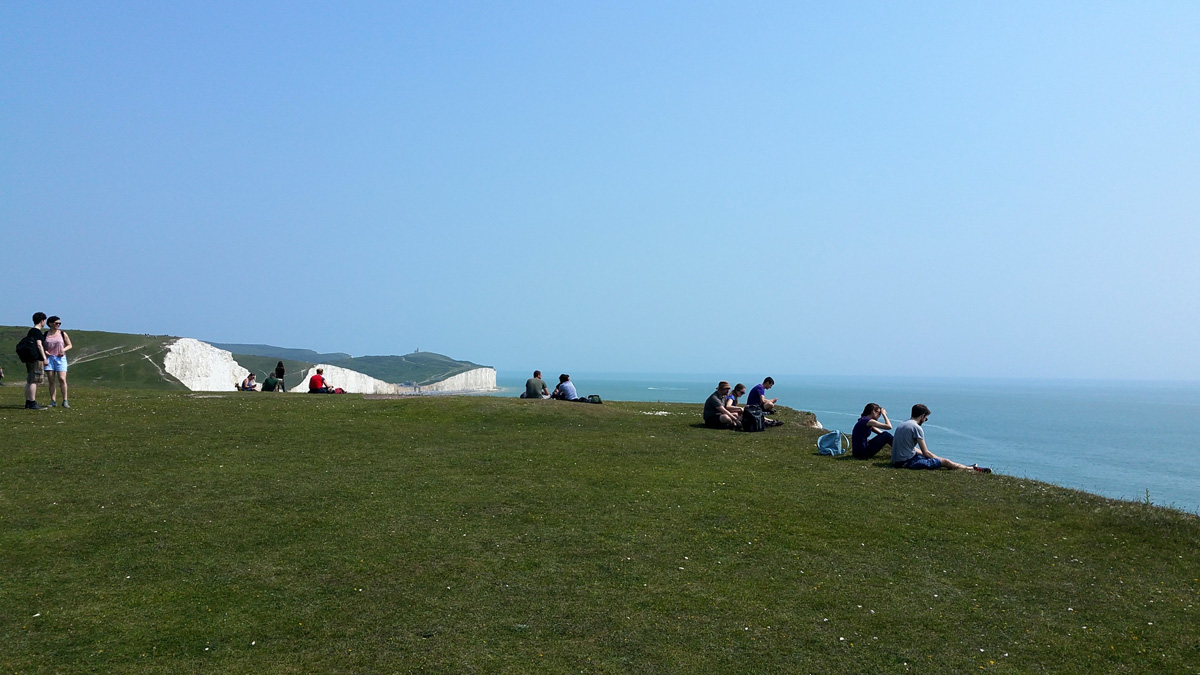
480, 379
354, 382
351, 381
202, 367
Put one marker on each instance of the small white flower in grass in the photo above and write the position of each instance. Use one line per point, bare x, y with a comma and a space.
37, 615
841, 639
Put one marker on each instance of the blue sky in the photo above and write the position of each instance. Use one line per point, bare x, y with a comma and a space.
942, 189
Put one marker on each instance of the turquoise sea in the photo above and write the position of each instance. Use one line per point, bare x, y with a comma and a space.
1124, 440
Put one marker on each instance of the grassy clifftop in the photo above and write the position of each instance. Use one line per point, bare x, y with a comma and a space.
166, 532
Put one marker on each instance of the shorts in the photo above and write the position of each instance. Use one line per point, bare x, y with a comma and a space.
919, 462
716, 423
34, 372
57, 364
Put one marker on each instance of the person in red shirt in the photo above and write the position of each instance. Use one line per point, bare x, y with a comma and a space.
317, 384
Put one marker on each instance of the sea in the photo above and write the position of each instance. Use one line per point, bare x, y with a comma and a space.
1128, 440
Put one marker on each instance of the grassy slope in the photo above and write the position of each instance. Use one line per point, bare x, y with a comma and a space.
100, 359
168, 532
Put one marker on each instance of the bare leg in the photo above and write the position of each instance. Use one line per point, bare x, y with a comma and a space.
52, 378
62, 384
949, 464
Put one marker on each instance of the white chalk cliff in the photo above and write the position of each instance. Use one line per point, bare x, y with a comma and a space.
202, 367
354, 382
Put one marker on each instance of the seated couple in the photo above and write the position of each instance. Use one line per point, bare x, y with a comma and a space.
565, 391
909, 450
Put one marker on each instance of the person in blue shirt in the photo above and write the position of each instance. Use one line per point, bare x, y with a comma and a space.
758, 395
565, 391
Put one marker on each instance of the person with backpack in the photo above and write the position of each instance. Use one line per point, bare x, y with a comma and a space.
862, 446
32, 351
57, 343
909, 450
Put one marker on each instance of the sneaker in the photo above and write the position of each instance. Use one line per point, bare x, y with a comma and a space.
980, 469
53, 403
65, 404
35, 406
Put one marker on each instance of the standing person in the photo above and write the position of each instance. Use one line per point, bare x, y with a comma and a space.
909, 450
535, 387
758, 395
862, 446
35, 369
716, 414
565, 391
57, 343
279, 371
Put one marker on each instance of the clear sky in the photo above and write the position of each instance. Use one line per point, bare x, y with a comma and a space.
944, 189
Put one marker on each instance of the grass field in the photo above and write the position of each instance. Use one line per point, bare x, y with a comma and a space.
168, 532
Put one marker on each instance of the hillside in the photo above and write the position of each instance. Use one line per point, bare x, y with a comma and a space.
166, 532
136, 361
100, 359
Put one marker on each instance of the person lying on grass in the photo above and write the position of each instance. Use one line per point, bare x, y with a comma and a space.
862, 446
909, 450
718, 415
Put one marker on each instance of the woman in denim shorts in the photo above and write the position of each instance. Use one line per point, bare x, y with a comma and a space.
57, 343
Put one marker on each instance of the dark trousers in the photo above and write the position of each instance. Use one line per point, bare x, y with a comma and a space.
874, 446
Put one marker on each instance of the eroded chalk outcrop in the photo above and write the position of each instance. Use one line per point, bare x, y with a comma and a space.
202, 367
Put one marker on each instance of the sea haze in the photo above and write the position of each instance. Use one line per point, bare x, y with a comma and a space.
1117, 439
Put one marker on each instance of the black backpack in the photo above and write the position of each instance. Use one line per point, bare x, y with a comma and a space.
753, 418
27, 350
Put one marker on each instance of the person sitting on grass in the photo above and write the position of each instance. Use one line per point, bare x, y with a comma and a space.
862, 446
565, 391
909, 450
716, 414
272, 383
249, 384
535, 387
731, 399
317, 383
758, 396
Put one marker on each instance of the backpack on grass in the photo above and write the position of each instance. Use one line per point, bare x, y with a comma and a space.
753, 418
831, 444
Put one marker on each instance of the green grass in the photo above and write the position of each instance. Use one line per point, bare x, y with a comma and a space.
249, 533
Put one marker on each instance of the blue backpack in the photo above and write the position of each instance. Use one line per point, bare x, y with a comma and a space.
831, 444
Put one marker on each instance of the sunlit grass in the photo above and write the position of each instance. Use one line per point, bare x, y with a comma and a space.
159, 532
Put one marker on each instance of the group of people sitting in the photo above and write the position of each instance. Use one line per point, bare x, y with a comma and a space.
872, 432
274, 381
535, 387
721, 410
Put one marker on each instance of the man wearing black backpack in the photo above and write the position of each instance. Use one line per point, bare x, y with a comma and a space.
36, 366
